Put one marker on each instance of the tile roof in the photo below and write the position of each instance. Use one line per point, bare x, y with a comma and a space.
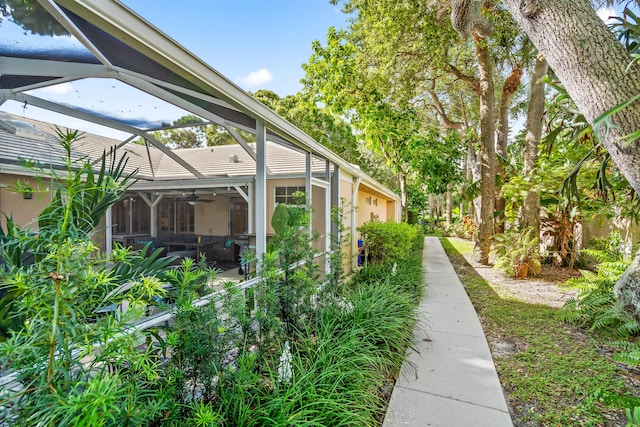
217, 161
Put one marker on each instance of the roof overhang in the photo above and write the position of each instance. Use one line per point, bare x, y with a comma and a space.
128, 48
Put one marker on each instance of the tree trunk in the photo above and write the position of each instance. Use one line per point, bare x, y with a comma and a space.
403, 196
509, 87
531, 205
448, 212
432, 207
487, 148
474, 174
592, 66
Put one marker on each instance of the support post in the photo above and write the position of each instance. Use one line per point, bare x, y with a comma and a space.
251, 209
108, 232
261, 189
308, 188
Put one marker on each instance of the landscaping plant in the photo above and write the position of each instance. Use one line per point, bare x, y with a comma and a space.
517, 252
72, 365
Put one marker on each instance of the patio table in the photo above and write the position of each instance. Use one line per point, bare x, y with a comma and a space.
188, 245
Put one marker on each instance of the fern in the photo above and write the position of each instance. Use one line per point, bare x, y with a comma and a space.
596, 306
629, 353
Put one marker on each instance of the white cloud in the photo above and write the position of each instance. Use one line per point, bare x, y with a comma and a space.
605, 12
59, 89
256, 78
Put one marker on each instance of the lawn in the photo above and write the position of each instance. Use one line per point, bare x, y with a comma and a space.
552, 373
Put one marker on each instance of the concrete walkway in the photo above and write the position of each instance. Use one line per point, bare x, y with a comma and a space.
449, 379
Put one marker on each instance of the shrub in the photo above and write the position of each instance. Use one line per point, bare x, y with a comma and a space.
61, 378
388, 242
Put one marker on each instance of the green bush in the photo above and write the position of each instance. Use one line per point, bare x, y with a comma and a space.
388, 242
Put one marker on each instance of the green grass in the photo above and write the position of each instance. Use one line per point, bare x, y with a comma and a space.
343, 363
558, 377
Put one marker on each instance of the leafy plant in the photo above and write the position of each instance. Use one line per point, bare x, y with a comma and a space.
596, 305
73, 366
517, 252
387, 242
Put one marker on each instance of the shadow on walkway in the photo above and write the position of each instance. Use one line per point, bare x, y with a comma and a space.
449, 378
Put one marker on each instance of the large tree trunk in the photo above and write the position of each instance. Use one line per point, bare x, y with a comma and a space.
474, 174
448, 211
403, 196
592, 66
502, 134
487, 148
531, 205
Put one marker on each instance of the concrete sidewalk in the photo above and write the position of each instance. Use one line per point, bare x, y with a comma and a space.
449, 379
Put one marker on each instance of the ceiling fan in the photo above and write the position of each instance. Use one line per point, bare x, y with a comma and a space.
193, 198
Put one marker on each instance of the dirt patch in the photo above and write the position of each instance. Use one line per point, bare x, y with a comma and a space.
541, 289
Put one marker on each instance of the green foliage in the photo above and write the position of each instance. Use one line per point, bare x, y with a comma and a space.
335, 279
217, 361
633, 416
596, 306
567, 378
61, 378
388, 242
32, 17
201, 339
517, 252
629, 353
466, 228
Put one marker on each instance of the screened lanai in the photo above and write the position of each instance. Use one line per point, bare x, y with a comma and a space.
98, 63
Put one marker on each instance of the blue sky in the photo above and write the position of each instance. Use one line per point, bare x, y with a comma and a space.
256, 44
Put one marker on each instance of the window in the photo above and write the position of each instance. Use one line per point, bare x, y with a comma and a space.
239, 215
120, 216
375, 202
130, 215
176, 216
367, 200
166, 215
286, 195
185, 217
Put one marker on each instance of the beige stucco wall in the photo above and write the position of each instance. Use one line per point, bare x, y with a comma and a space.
392, 210
367, 212
212, 219
317, 217
602, 226
346, 192
12, 204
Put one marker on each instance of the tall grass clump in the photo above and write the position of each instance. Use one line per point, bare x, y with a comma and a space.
339, 362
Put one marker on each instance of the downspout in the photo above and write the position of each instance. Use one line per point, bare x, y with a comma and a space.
354, 213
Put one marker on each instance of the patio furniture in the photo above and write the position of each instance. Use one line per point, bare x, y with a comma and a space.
190, 246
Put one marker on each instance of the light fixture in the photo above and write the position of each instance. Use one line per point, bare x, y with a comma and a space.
192, 202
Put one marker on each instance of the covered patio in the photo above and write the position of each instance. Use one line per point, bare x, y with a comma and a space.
123, 72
